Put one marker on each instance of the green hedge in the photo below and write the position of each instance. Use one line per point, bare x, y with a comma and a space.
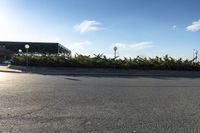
101, 61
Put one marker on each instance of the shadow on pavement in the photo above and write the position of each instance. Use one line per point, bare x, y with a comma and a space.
91, 72
73, 79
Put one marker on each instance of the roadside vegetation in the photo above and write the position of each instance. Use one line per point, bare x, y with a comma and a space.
5, 54
101, 61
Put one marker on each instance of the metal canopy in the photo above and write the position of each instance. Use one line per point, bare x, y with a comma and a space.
36, 47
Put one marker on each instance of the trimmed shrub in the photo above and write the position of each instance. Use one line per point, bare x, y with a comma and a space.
101, 61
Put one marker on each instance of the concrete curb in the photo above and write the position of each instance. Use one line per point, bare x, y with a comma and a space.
105, 72
8, 70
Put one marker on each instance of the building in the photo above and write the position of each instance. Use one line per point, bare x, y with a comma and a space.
8, 48
36, 47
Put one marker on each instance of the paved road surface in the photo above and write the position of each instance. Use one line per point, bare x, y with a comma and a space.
42, 103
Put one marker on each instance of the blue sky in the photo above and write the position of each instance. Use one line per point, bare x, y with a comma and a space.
137, 27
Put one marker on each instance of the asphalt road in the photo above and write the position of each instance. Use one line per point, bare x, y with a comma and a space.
41, 103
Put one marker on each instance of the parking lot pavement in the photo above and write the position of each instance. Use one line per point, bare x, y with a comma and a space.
42, 103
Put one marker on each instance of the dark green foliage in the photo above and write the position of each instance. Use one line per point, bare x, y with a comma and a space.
101, 61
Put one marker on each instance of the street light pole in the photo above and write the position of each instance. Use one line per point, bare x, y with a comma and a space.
115, 52
27, 47
194, 50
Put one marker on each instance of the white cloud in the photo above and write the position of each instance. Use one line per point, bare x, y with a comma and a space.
174, 27
136, 46
79, 47
195, 26
141, 45
119, 45
87, 26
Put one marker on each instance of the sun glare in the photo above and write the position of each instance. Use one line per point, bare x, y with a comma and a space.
2, 17
3, 76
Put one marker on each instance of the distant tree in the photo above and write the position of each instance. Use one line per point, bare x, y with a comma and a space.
5, 54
